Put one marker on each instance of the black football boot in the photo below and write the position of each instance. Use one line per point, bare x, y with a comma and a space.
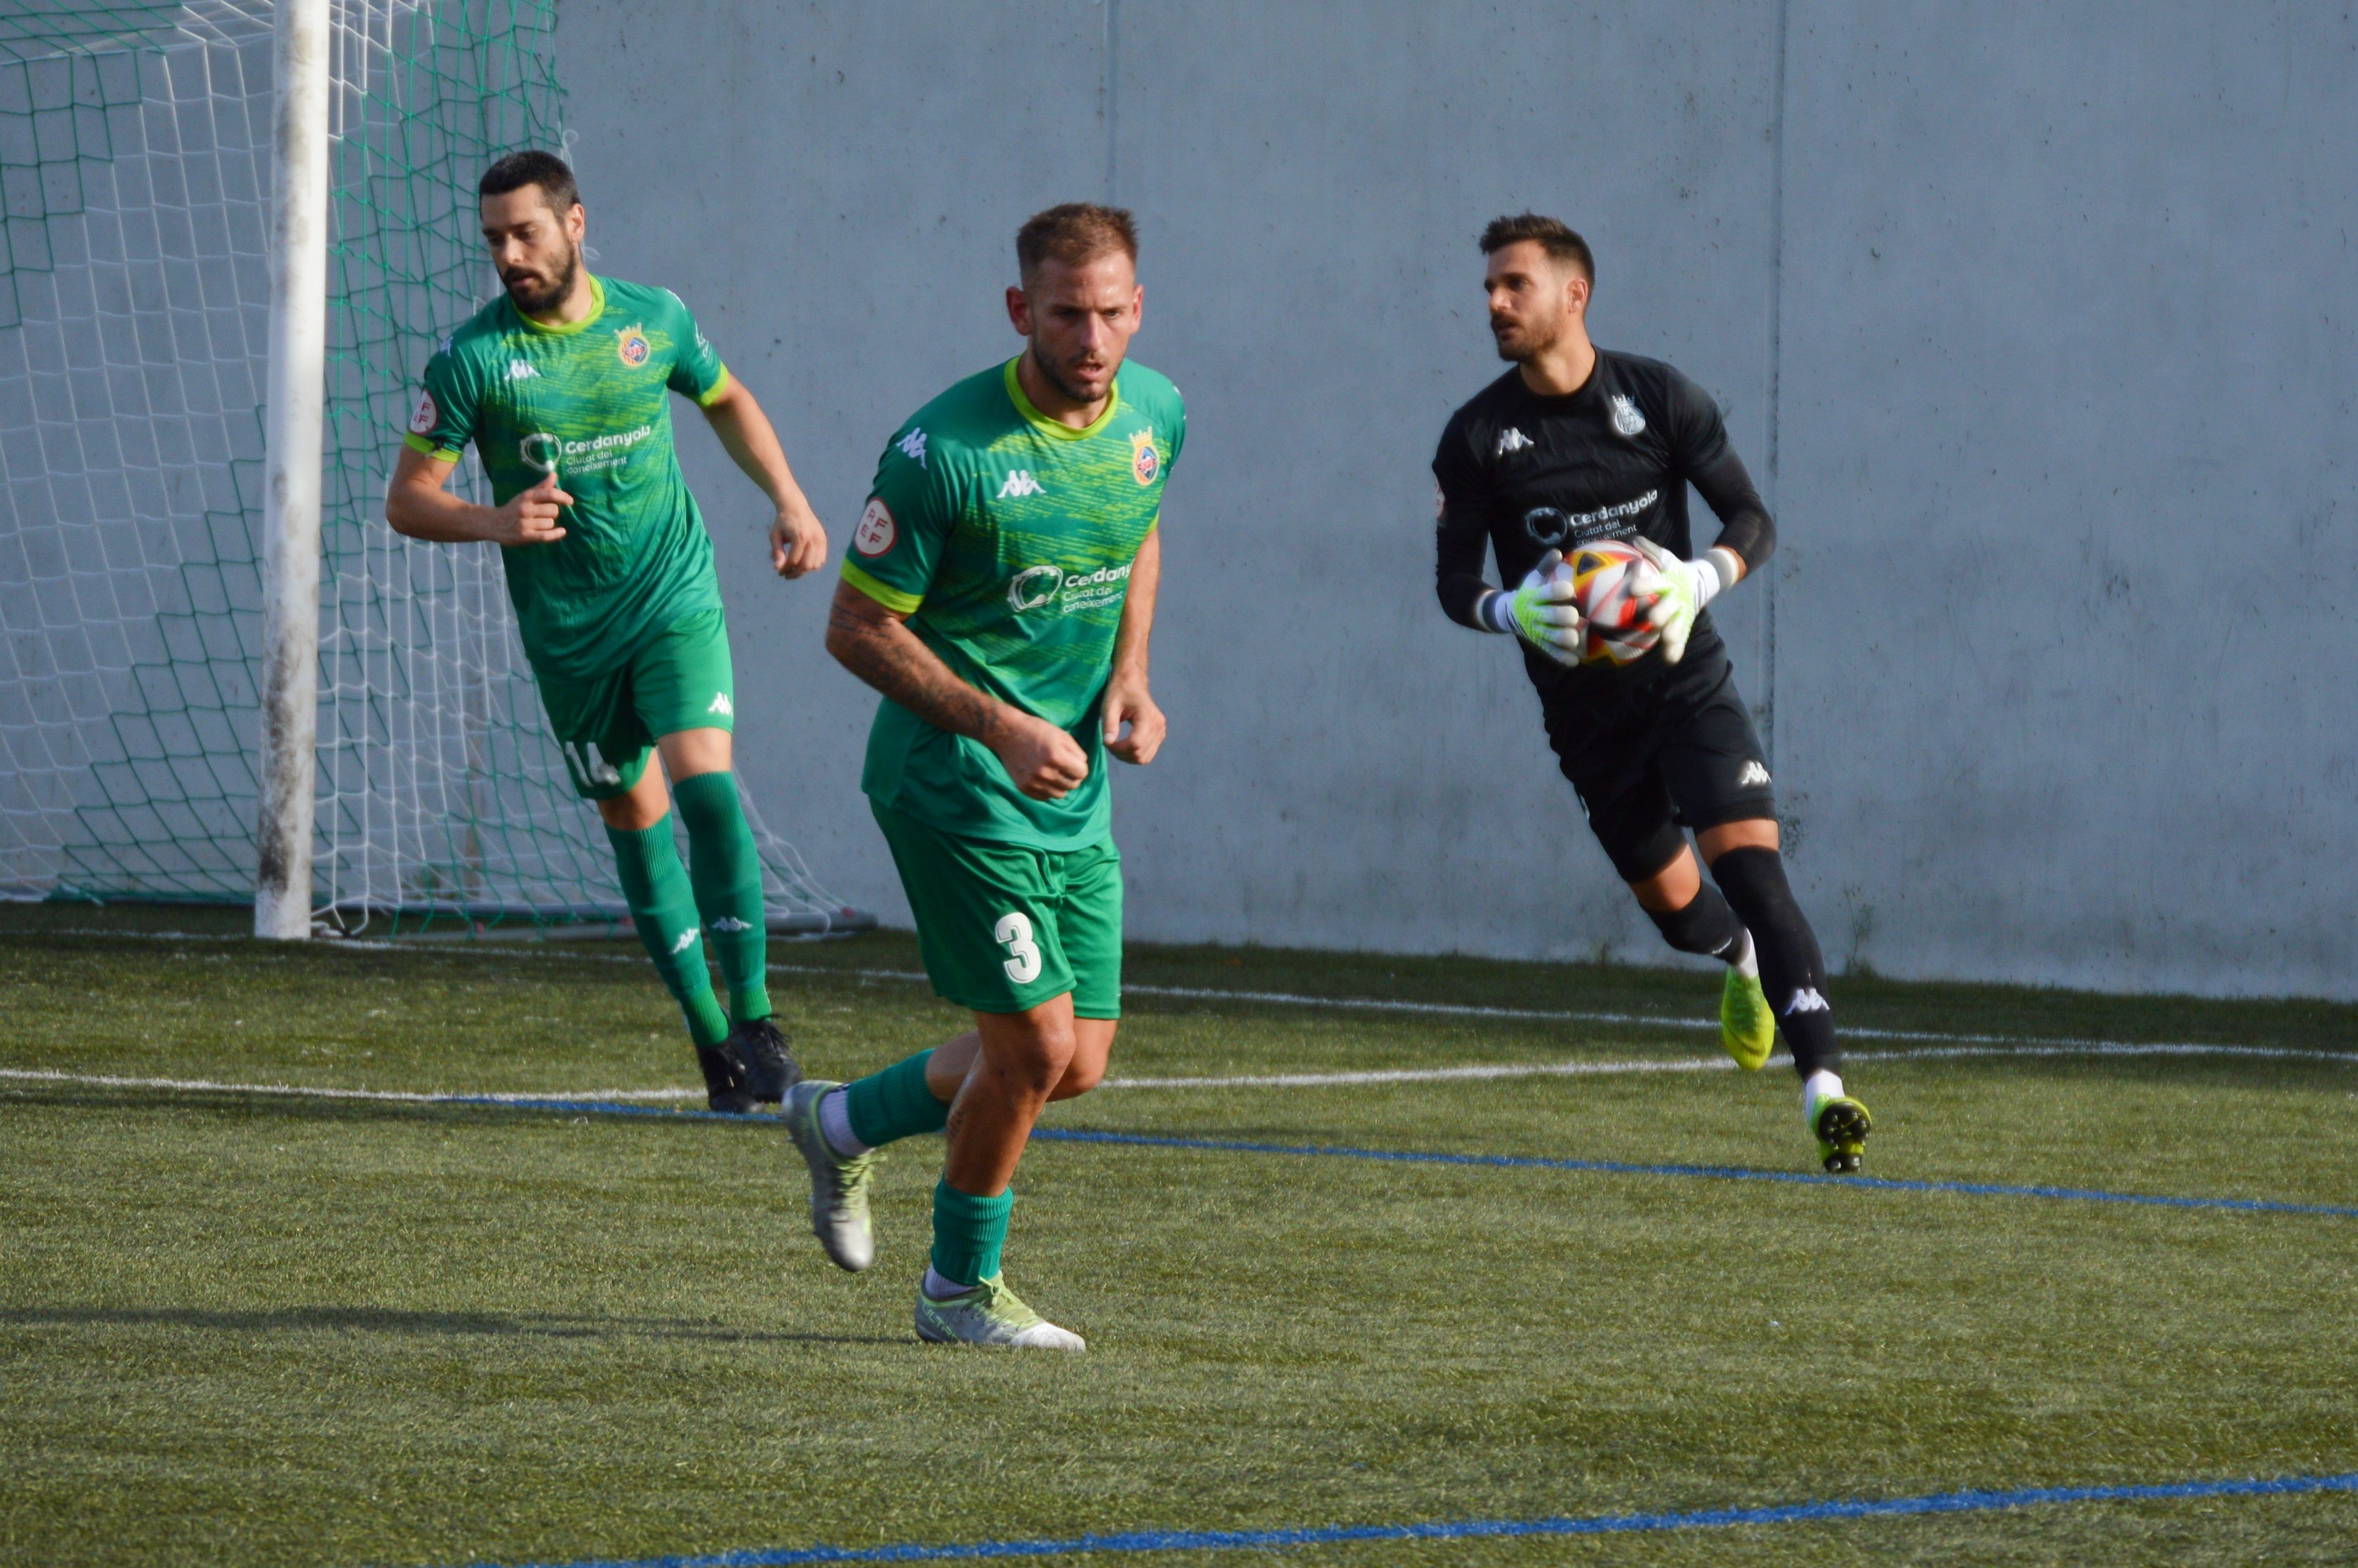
769, 1066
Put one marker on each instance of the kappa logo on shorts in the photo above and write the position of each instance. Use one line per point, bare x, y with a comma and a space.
722, 705
1807, 1000
1752, 774
728, 925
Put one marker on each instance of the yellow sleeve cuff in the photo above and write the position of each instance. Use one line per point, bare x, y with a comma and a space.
891, 598
418, 443
711, 395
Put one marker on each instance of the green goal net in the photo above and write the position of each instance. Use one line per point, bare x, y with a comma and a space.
135, 166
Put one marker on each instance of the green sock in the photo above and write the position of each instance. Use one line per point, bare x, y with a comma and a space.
725, 870
655, 884
894, 1104
969, 1233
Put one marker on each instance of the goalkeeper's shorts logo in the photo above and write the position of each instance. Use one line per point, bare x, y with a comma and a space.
1752, 774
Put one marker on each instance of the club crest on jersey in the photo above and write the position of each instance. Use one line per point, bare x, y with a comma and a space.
875, 533
1145, 463
1627, 421
631, 344
427, 415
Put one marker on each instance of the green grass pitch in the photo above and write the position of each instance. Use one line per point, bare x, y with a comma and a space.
253, 1329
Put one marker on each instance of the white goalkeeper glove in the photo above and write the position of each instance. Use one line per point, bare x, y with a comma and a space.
1681, 592
1541, 611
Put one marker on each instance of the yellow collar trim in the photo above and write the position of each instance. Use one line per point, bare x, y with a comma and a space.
1056, 428
566, 328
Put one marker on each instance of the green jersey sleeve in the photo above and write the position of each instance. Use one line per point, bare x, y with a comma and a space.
696, 369
912, 507
444, 420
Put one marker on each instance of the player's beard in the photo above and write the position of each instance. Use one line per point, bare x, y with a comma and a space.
1535, 338
1062, 380
532, 296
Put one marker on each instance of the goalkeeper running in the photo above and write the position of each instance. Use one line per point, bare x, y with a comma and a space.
564, 386
1578, 443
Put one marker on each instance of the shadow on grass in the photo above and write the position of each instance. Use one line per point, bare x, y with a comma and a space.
385, 1320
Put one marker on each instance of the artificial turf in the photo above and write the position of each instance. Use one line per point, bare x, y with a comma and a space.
268, 1329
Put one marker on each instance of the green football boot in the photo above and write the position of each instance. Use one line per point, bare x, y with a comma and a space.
839, 1200
1841, 1125
1747, 1026
990, 1313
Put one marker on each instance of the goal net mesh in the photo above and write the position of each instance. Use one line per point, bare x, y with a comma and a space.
136, 172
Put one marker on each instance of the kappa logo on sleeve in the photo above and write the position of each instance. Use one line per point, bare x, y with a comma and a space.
422, 420
913, 446
875, 534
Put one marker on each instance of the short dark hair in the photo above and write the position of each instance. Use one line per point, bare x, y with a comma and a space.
1555, 236
1073, 233
533, 167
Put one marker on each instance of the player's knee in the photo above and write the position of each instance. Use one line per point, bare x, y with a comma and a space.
1079, 1078
1041, 1057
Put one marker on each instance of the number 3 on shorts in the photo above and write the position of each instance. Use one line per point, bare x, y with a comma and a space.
1013, 933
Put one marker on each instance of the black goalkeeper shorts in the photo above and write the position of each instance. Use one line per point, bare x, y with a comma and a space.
1659, 758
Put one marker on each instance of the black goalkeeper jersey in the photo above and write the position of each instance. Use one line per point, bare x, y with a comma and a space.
1524, 474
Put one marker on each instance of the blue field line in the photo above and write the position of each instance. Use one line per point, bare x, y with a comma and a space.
1500, 1161
1706, 1172
1141, 1540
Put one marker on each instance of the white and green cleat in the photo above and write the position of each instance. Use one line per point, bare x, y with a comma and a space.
990, 1313
1747, 1025
1841, 1125
839, 1200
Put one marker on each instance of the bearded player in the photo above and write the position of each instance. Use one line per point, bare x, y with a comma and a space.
564, 385
999, 593
1575, 445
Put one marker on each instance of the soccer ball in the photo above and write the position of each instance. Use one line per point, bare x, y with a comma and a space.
1612, 584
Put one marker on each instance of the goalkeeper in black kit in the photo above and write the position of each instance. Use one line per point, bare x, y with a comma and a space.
1576, 445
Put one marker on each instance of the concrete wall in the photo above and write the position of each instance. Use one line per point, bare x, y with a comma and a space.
2029, 319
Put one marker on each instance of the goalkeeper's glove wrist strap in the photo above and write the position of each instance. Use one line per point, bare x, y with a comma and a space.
1496, 612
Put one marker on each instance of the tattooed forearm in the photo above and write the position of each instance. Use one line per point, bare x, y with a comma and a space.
875, 646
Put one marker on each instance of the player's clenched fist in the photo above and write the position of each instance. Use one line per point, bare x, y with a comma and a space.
1045, 763
530, 516
797, 543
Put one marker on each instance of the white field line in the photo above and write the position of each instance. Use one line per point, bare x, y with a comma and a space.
1697, 1065
305, 1091
1372, 1077
2019, 1043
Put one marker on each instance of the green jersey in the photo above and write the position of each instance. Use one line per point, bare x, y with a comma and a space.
590, 401
1007, 538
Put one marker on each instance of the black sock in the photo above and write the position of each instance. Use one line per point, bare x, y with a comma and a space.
1791, 970
1706, 925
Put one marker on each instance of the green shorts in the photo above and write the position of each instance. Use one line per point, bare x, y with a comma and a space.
1003, 927
680, 678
